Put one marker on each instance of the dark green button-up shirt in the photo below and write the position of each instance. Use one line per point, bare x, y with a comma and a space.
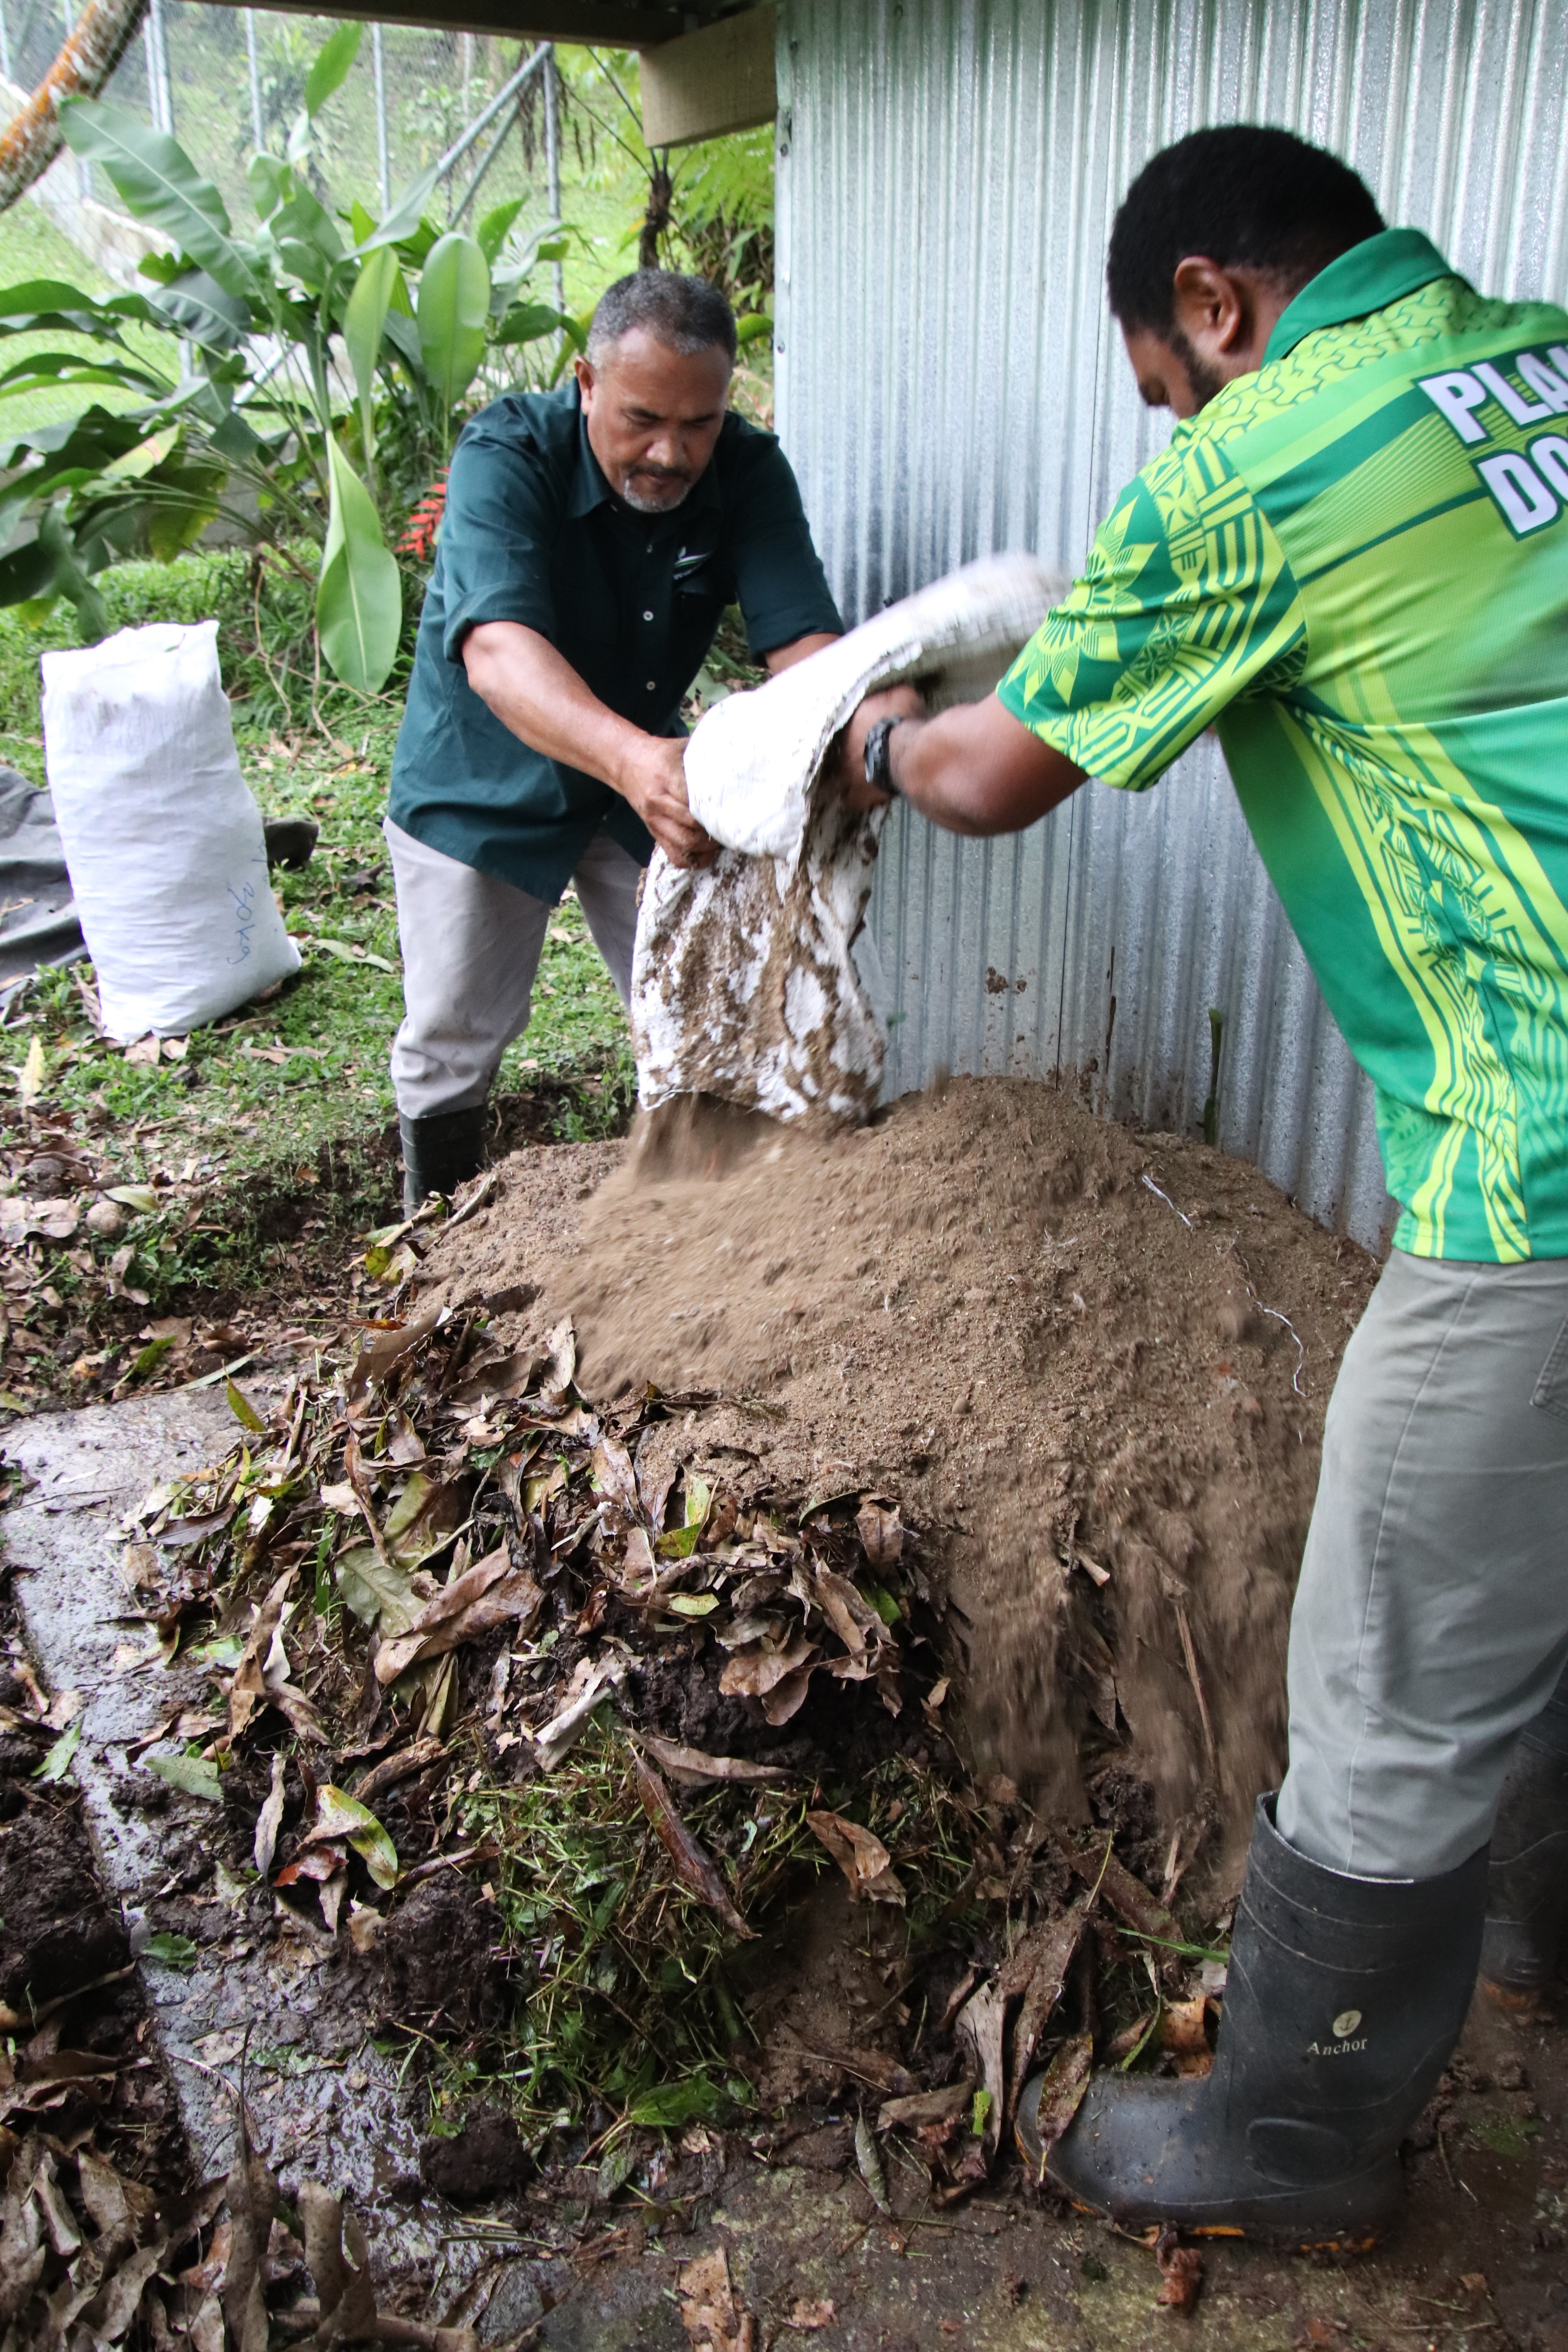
534, 533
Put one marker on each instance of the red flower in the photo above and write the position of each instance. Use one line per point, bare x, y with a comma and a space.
419, 533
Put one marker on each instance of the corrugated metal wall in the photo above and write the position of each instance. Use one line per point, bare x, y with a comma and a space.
950, 383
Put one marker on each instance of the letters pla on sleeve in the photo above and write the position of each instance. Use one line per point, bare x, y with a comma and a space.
162, 836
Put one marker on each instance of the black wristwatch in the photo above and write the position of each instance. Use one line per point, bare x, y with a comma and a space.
879, 759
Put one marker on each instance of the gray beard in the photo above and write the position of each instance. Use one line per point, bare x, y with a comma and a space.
640, 503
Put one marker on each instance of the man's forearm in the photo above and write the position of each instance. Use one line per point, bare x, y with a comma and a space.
799, 649
977, 770
538, 694
535, 692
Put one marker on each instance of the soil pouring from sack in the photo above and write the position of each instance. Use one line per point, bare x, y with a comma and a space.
1092, 1366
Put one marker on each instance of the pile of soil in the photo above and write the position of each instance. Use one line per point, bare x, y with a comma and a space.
1091, 1365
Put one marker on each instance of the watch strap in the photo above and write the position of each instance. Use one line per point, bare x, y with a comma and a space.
878, 756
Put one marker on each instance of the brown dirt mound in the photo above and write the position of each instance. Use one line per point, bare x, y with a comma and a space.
1072, 1354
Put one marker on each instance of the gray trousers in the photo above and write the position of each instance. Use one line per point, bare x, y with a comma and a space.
1431, 1620
470, 950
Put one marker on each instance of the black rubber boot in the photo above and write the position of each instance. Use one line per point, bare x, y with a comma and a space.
439, 1153
1527, 1898
1344, 1999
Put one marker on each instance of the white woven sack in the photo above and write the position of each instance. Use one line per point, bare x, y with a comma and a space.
162, 836
751, 979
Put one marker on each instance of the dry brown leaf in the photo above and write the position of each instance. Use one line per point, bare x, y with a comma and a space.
252, 2202
501, 1382
1183, 2028
925, 2106
613, 1476
118, 2209
786, 1698
980, 2026
1062, 2087
864, 1859
1046, 1956
491, 1593
248, 1690
751, 1672
880, 1531
592, 1682
852, 1618
693, 1867
269, 1820
1128, 1896
55, 1220
400, 1766
560, 1359
1181, 2272
380, 1356
707, 2309
804, 2315
694, 1770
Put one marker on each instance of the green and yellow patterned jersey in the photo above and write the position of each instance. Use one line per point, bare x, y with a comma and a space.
1354, 563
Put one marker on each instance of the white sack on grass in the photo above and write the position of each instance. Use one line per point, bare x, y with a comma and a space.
162, 836
744, 981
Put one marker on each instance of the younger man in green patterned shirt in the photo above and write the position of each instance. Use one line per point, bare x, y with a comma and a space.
1352, 560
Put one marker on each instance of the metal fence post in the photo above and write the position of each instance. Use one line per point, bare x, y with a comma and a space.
83, 167
160, 90
383, 154
553, 163
258, 128
5, 44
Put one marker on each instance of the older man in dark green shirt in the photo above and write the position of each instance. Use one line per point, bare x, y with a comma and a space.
591, 541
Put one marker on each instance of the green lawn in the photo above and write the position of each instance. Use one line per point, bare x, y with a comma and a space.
293, 1093
32, 246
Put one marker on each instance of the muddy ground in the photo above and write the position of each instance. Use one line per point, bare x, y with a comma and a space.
551, 2248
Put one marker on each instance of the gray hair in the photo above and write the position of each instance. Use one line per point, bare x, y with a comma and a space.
684, 314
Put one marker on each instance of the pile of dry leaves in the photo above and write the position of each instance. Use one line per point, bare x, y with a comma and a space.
455, 1618
91, 2258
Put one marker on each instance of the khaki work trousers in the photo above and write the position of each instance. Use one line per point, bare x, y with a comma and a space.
470, 949
1431, 1620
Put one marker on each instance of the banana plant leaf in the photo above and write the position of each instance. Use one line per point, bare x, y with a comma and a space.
453, 312
331, 66
158, 183
75, 367
359, 599
403, 221
491, 233
525, 322
270, 183
197, 306
364, 322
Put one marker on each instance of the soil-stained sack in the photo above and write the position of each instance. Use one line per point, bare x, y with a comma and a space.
162, 836
749, 980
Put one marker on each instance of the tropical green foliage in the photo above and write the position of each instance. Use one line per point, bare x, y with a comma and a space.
303, 384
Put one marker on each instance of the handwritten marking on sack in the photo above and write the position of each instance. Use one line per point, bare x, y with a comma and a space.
244, 910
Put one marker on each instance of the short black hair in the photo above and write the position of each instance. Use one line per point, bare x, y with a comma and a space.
1247, 196
685, 314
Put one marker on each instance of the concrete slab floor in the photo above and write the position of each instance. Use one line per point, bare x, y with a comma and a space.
64, 1539
1477, 2259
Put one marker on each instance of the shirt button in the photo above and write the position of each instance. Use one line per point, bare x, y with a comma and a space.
651, 687
648, 616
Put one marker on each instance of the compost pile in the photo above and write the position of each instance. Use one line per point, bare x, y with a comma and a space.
1092, 1367
769, 1625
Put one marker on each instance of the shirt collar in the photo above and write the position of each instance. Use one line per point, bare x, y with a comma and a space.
1365, 279
590, 489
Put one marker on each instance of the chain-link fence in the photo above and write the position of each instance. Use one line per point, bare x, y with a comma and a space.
226, 81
